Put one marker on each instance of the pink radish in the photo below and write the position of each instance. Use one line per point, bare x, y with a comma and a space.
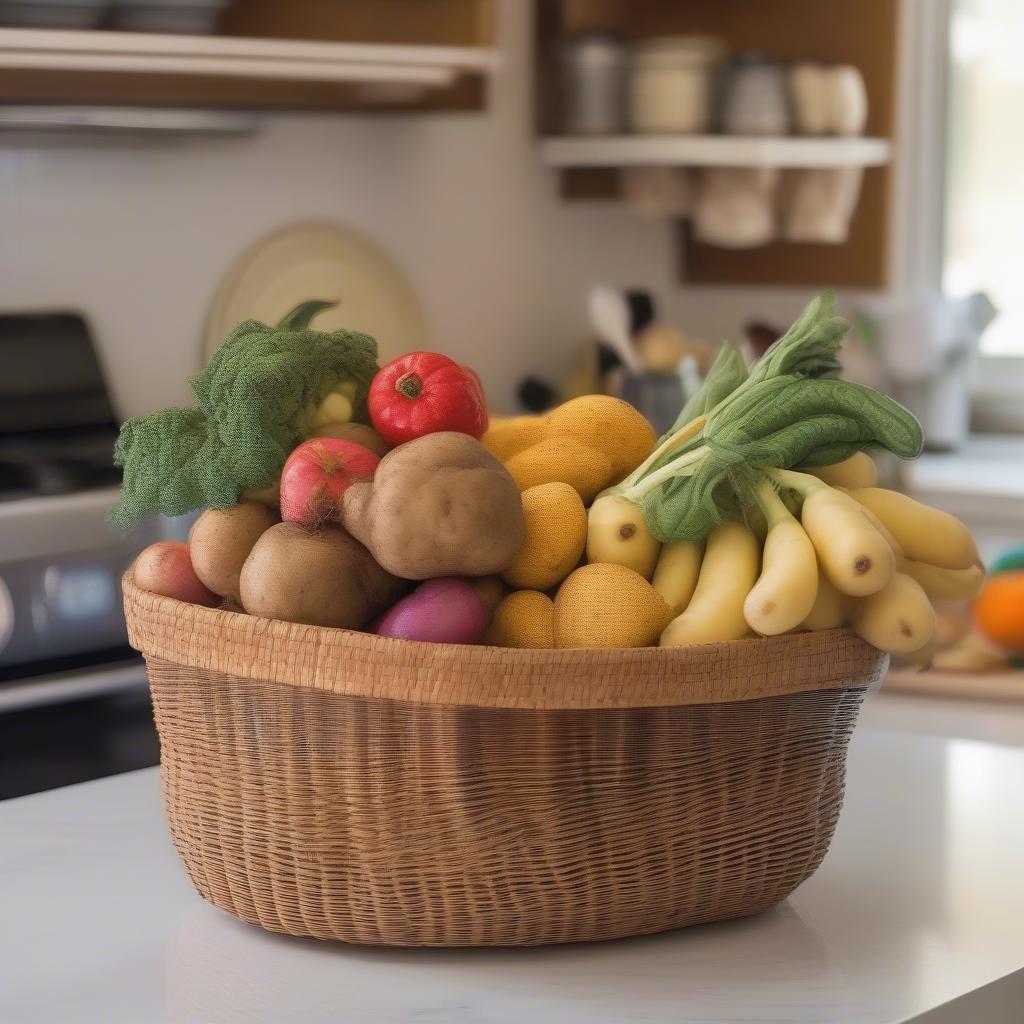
441, 611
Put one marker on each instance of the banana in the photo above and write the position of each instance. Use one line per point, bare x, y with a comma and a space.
859, 470
727, 575
784, 593
856, 558
675, 575
925, 534
898, 619
617, 533
971, 654
945, 584
830, 610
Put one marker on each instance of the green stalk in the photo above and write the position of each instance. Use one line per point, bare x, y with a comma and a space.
685, 433
803, 483
671, 469
772, 506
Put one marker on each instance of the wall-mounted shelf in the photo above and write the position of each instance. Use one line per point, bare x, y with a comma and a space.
45, 65
713, 151
864, 34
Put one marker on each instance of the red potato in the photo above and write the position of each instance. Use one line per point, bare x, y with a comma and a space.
317, 474
442, 611
165, 568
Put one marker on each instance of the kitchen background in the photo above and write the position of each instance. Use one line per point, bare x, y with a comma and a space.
136, 232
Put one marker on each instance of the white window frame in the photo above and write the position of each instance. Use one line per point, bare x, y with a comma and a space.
920, 194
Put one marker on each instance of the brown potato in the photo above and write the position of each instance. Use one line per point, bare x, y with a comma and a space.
220, 541
440, 505
324, 578
359, 433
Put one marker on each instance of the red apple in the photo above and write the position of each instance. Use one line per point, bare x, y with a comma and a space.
166, 568
317, 474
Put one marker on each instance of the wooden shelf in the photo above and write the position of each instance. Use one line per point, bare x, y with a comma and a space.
713, 151
863, 33
140, 68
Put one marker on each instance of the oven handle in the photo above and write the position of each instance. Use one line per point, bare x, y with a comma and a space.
63, 687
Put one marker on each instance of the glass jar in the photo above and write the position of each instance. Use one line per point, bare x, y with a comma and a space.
593, 70
671, 84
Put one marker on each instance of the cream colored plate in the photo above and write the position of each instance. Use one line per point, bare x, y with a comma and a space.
319, 260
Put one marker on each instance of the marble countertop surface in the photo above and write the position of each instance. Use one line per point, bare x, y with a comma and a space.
917, 914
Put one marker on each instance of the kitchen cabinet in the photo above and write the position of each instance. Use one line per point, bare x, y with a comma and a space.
862, 33
406, 55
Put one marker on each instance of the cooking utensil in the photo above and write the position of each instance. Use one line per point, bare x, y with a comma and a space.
610, 318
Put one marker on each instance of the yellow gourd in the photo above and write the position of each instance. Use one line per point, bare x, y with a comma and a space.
609, 425
556, 532
508, 436
563, 460
523, 619
589, 442
605, 605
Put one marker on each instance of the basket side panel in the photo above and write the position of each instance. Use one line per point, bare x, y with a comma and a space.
383, 822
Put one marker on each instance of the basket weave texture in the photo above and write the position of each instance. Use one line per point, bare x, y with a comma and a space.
325, 783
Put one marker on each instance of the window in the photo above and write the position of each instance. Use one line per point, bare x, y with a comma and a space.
984, 207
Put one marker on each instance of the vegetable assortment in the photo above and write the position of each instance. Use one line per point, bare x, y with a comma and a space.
758, 512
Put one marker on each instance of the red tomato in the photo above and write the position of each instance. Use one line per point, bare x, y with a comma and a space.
422, 393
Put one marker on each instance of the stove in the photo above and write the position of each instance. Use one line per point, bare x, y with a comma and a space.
62, 630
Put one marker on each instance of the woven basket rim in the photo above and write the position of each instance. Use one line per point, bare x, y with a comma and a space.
362, 664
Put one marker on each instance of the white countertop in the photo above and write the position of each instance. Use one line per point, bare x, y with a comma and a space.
919, 903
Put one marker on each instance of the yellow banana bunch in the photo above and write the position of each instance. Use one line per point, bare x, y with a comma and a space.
675, 575
925, 534
867, 534
785, 591
617, 533
856, 557
727, 575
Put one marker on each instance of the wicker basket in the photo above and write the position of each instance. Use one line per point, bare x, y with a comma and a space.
333, 784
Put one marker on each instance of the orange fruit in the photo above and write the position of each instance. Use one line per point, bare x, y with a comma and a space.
999, 610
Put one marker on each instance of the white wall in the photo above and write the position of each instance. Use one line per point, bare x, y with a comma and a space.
138, 235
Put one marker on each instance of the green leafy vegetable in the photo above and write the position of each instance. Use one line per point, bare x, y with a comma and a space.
254, 402
727, 373
790, 410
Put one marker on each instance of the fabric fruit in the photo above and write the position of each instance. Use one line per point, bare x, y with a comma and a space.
424, 393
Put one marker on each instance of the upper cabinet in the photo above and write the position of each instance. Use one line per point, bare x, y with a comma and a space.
766, 129
267, 54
